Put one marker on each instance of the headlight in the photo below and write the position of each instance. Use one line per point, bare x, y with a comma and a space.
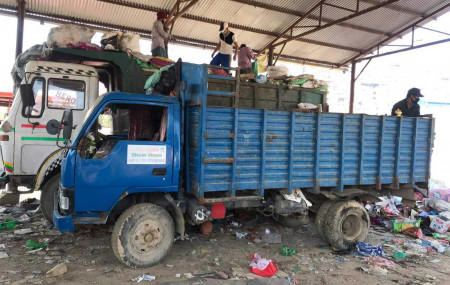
6, 126
63, 202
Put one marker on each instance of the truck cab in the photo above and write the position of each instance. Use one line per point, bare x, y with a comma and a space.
65, 78
56, 86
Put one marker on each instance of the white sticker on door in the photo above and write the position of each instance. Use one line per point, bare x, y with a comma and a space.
146, 154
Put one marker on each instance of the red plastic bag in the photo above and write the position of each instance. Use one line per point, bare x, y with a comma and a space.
270, 270
220, 72
262, 267
414, 232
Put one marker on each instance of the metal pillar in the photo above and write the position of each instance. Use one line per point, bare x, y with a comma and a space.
270, 63
352, 88
20, 25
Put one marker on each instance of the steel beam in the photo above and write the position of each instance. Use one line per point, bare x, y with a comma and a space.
293, 25
299, 14
352, 88
356, 58
394, 8
406, 49
20, 26
362, 12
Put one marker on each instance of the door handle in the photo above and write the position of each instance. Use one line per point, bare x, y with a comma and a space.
159, 171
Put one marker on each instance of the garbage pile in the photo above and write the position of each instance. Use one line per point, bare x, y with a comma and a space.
427, 222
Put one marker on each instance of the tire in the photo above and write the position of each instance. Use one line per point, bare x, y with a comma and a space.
47, 196
321, 216
294, 220
347, 223
134, 226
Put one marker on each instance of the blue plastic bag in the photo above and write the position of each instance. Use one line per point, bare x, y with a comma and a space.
365, 249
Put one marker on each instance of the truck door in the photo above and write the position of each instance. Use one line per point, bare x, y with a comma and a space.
127, 146
52, 95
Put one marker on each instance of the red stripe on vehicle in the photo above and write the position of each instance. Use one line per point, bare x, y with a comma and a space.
30, 126
9, 170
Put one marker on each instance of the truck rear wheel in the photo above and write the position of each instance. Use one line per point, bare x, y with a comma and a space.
347, 223
47, 197
143, 235
321, 218
294, 220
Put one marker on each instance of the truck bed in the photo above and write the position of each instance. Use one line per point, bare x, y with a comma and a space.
232, 150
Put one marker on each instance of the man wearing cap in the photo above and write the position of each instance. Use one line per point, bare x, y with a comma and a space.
159, 36
225, 47
409, 106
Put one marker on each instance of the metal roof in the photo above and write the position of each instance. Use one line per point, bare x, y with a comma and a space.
326, 32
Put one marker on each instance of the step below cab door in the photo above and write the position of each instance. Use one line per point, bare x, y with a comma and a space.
128, 147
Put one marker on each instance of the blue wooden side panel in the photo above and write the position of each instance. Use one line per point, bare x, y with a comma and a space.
358, 148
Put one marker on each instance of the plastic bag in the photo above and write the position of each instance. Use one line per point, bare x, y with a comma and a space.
66, 34
261, 78
263, 62
414, 232
277, 71
130, 42
111, 40
255, 68
217, 71
365, 249
439, 225
299, 81
262, 267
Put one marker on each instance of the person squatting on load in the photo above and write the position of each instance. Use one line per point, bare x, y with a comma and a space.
225, 47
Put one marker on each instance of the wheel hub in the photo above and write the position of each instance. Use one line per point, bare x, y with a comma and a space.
146, 236
351, 227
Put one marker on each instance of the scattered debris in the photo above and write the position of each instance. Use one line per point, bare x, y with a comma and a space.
144, 277
35, 245
286, 251
262, 267
3, 255
23, 231
56, 271
271, 238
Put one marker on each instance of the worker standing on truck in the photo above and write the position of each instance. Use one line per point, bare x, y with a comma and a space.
225, 47
409, 106
159, 36
245, 59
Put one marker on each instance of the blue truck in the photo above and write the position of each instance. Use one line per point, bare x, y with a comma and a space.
166, 158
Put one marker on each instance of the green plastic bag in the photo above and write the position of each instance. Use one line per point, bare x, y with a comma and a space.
8, 224
286, 251
35, 245
299, 81
255, 68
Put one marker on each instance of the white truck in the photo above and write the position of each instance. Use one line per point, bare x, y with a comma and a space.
66, 78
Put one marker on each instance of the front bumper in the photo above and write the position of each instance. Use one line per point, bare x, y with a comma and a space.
61, 222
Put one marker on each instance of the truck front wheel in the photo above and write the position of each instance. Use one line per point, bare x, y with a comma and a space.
47, 197
347, 223
143, 235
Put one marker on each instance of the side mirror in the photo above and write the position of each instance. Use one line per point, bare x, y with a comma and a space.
53, 127
67, 122
27, 96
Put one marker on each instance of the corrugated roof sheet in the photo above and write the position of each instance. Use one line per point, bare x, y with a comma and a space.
255, 22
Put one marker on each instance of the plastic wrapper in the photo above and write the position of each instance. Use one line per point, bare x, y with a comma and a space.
399, 227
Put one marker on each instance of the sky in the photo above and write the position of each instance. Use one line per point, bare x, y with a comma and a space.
385, 80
